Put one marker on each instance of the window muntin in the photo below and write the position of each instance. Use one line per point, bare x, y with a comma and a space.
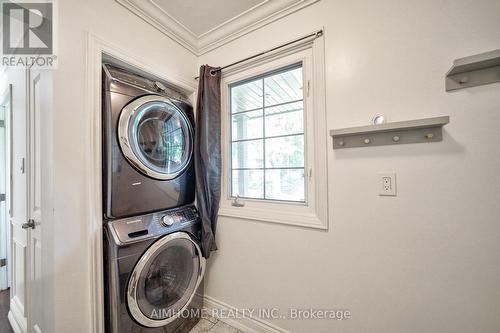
267, 136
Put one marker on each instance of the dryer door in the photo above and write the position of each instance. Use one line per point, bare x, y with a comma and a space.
156, 137
165, 280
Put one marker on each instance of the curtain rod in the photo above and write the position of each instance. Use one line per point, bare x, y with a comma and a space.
316, 34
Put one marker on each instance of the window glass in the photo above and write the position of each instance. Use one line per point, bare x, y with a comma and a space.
248, 154
248, 183
285, 184
285, 119
285, 152
247, 125
267, 136
283, 87
247, 96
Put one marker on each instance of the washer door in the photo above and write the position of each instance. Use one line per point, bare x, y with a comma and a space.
156, 137
165, 279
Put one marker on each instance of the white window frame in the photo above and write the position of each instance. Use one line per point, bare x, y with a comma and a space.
314, 211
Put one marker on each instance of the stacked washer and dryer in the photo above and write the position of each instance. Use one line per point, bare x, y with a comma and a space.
153, 265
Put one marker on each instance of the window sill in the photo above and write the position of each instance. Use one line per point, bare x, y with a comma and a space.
308, 220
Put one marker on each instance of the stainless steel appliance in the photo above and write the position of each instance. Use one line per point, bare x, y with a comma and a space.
147, 145
154, 272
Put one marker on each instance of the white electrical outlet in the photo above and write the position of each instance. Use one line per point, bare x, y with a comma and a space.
387, 183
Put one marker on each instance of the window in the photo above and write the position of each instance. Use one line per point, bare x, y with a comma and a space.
267, 136
275, 138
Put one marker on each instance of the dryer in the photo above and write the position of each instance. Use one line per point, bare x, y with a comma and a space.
154, 272
148, 135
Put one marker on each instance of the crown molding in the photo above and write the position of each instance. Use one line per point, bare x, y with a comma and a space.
152, 14
254, 18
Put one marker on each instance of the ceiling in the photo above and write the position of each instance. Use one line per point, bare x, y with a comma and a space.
202, 16
203, 25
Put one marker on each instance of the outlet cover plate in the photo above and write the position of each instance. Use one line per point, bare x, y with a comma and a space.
387, 184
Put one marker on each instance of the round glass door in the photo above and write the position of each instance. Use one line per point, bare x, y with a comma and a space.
165, 280
156, 137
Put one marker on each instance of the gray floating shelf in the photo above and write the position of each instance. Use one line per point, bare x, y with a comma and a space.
412, 131
474, 71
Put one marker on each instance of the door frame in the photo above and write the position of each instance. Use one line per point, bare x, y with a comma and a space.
5, 98
98, 49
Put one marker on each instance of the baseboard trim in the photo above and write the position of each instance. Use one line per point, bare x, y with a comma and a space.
13, 323
247, 324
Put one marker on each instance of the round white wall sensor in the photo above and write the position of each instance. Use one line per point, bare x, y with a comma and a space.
378, 120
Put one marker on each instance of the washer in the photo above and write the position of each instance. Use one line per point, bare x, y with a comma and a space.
154, 272
148, 135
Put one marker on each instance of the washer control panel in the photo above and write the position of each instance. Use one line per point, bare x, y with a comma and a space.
146, 226
179, 216
167, 220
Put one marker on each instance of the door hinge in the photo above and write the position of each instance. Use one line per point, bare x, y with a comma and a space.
308, 87
3, 262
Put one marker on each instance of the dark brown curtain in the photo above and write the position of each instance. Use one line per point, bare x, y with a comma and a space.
207, 152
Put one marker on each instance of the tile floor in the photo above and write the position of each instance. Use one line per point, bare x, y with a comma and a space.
213, 325
210, 325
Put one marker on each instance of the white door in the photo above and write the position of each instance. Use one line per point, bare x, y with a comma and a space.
31, 188
4, 189
19, 236
38, 181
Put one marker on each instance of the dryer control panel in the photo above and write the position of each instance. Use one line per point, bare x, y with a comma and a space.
137, 228
141, 82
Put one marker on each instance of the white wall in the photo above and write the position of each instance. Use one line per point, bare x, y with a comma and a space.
426, 260
112, 22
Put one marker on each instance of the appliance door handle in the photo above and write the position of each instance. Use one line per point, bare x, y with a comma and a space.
201, 275
29, 225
